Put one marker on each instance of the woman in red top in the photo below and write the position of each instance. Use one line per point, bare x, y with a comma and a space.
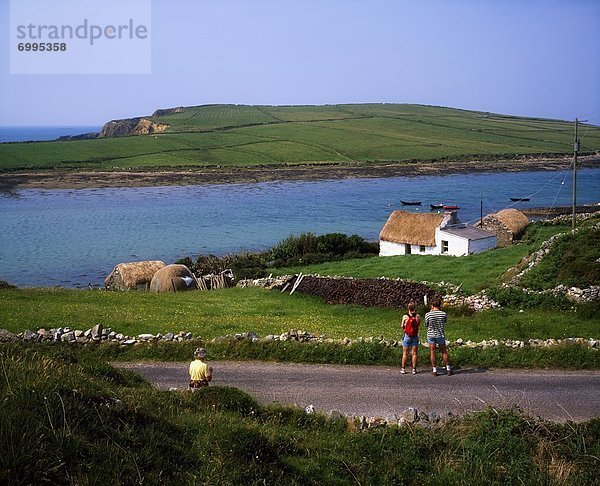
410, 337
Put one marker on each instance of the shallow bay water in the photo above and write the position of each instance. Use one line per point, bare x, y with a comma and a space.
74, 238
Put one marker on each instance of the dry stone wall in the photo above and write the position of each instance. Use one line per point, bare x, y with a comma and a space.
572, 293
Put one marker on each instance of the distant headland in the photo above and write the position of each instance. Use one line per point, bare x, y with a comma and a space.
243, 143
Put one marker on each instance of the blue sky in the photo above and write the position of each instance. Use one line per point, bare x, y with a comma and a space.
525, 57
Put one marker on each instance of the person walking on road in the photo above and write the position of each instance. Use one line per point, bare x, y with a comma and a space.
410, 337
200, 372
435, 320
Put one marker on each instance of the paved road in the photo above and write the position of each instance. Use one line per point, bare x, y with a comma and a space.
383, 391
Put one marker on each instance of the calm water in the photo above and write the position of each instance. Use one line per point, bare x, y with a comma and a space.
26, 134
75, 237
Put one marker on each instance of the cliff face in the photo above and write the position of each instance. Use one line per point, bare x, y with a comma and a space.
131, 126
167, 111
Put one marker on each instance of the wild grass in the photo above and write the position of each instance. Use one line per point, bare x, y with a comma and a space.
572, 261
473, 273
216, 313
219, 312
231, 136
66, 421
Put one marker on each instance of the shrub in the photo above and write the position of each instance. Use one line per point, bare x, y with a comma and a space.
304, 249
519, 298
294, 247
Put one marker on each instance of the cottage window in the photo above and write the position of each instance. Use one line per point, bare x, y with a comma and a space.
444, 246
422, 248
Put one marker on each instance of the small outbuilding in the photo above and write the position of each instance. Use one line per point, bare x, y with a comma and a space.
508, 225
132, 275
173, 278
407, 233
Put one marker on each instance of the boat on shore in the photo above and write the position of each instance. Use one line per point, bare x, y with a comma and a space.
450, 207
517, 199
411, 203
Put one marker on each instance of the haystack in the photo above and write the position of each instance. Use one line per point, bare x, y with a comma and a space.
133, 275
508, 225
173, 278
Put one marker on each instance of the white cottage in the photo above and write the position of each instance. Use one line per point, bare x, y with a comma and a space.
407, 233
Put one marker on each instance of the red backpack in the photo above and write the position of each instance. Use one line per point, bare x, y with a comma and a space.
411, 328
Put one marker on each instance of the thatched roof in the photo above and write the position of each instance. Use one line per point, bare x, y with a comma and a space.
412, 228
173, 278
513, 219
129, 275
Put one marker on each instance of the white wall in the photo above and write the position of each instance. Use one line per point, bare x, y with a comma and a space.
459, 246
387, 248
479, 246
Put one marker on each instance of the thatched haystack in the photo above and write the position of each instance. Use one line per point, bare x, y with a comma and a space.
133, 275
508, 225
173, 278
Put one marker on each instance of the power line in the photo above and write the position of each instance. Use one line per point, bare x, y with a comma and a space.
590, 113
538, 191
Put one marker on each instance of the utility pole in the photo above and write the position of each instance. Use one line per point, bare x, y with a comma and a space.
575, 150
481, 211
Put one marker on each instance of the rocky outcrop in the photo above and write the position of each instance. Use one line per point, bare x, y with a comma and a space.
83, 136
131, 126
167, 111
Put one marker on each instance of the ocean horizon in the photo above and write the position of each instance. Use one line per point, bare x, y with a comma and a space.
42, 133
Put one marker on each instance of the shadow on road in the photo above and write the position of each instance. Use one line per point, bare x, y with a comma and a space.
469, 371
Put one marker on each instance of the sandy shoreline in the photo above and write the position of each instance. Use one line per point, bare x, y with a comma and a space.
83, 179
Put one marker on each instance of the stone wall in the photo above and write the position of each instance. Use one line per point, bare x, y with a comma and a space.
572, 293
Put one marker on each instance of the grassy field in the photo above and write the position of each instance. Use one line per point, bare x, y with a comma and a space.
70, 418
473, 273
239, 136
216, 313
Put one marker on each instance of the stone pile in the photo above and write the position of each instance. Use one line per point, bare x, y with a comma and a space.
533, 343
267, 282
580, 295
477, 302
96, 334
366, 292
307, 337
574, 294
452, 298
579, 217
410, 416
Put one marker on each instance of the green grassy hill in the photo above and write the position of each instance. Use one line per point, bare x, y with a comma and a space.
69, 417
231, 136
